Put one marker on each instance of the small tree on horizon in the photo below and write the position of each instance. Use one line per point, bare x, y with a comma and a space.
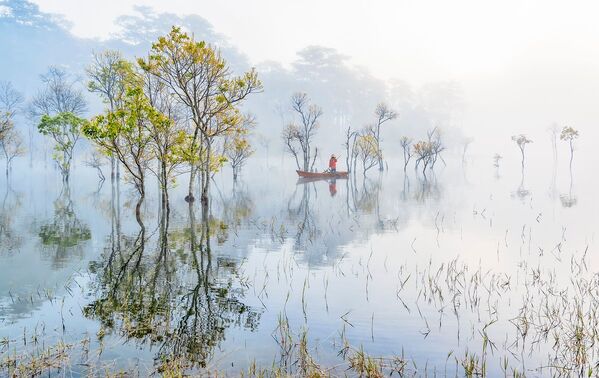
568, 134
521, 141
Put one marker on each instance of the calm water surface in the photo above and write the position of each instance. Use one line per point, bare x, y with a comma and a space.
471, 261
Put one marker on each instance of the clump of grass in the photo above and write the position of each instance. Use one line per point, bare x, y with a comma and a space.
37, 362
364, 365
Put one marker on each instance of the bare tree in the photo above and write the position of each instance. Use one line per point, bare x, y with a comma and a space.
350, 144
521, 141
367, 151
96, 161
298, 137
383, 114
11, 145
106, 79
56, 109
10, 101
423, 151
58, 95
428, 152
406, 144
237, 151
11, 142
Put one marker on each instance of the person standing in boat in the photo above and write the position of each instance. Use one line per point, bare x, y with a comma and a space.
333, 164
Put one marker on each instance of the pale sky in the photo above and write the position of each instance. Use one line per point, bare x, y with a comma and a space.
522, 64
420, 40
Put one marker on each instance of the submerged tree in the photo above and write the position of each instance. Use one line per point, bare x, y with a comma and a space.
64, 128
96, 161
350, 144
106, 79
383, 114
57, 109
10, 101
199, 78
298, 136
167, 138
521, 141
367, 151
237, 151
10, 139
124, 134
406, 144
58, 95
568, 134
428, 151
11, 145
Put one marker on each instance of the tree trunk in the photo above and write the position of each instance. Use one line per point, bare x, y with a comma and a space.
138, 208
571, 154
378, 147
192, 174
206, 173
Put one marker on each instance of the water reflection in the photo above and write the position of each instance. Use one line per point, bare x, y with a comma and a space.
300, 212
171, 290
569, 199
10, 240
65, 233
521, 192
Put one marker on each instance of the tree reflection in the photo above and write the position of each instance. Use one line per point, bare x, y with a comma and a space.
172, 291
302, 213
9, 238
569, 199
65, 233
428, 188
521, 191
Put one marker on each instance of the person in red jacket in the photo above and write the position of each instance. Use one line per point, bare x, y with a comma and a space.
333, 164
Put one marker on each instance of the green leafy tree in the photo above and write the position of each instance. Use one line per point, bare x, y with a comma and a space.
106, 78
200, 79
64, 128
125, 134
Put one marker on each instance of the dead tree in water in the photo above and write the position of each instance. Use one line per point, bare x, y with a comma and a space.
406, 144
521, 140
428, 152
350, 147
298, 137
383, 114
568, 134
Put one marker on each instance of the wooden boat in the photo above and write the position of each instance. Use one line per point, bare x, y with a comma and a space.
322, 175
